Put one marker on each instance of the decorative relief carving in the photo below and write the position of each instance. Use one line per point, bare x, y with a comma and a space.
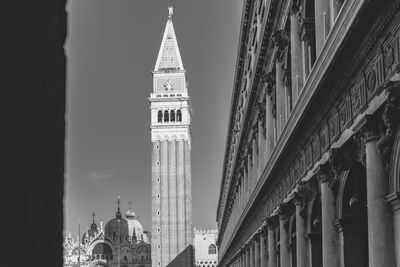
344, 112
390, 55
308, 156
315, 147
333, 122
324, 137
390, 116
374, 76
357, 97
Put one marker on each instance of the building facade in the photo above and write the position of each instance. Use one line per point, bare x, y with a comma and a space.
206, 253
311, 174
122, 243
170, 109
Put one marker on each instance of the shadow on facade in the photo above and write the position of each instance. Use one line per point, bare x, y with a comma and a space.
184, 259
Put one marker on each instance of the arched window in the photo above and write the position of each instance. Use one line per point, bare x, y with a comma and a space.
172, 115
212, 249
166, 116
179, 115
159, 119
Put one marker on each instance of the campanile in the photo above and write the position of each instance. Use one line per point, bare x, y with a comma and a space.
170, 109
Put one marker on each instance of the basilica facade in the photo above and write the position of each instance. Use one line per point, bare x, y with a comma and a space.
121, 243
311, 174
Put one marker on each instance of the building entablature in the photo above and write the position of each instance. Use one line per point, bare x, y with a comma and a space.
325, 111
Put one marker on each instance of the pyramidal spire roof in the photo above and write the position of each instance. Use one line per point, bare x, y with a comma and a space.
169, 57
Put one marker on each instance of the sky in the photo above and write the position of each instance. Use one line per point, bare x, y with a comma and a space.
112, 48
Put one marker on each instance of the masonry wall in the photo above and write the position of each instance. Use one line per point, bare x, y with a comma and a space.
32, 115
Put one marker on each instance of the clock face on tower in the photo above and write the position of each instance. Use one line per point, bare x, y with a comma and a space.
168, 85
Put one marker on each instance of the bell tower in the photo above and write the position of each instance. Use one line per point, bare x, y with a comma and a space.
170, 109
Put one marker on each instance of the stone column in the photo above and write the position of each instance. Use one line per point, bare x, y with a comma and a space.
330, 238
269, 120
322, 23
394, 200
263, 248
380, 234
272, 223
301, 216
296, 53
247, 254
244, 263
284, 235
257, 258
280, 98
251, 247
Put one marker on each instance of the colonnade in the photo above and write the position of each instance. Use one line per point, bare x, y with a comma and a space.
319, 238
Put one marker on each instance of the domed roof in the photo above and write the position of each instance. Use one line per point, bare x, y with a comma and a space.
134, 226
116, 227
130, 214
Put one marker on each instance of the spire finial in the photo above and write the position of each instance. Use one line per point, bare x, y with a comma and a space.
170, 11
130, 204
118, 215
93, 215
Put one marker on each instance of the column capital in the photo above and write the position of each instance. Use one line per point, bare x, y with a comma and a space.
285, 210
256, 236
336, 161
394, 200
295, 7
371, 129
264, 231
305, 191
269, 79
280, 39
323, 173
272, 222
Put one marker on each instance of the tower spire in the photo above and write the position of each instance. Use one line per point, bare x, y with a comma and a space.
169, 57
118, 214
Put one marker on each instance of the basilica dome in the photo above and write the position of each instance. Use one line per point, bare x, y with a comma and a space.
117, 227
